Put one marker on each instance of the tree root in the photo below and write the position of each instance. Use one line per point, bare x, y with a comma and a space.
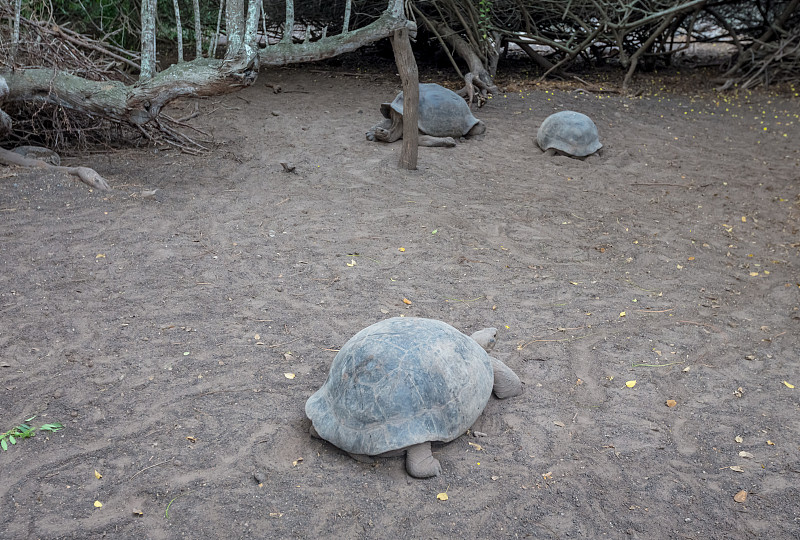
85, 174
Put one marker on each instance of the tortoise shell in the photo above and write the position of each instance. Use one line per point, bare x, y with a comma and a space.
400, 382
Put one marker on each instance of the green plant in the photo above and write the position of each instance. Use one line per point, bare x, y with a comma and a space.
484, 16
24, 430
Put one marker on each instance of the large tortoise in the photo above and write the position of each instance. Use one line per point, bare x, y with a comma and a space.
570, 133
443, 117
402, 383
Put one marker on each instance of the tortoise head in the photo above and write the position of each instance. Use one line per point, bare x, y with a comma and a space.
486, 338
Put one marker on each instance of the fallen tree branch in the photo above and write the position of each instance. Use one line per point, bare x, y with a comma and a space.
85, 174
285, 53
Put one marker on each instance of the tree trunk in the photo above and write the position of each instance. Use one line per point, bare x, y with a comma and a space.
5, 120
478, 74
288, 25
198, 30
15, 31
148, 61
234, 26
346, 23
178, 29
409, 74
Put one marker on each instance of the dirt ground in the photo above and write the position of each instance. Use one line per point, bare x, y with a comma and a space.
164, 331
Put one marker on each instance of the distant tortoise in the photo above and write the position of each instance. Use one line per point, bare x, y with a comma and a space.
404, 382
570, 133
443, 115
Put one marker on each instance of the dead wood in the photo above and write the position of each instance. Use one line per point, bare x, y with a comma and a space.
86, 175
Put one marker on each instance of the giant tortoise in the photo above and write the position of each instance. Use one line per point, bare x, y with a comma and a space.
570, 133
402, 383
443, 117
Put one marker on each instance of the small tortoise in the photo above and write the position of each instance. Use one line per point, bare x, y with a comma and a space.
443, 115
570, 133
404, 382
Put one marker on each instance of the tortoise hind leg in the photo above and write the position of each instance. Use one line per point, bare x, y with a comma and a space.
431, 141
420, 462
506, 382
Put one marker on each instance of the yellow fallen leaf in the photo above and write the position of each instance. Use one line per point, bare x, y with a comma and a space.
352, 262
98, 504
406, 301
740, 497
622, 313
770, 443
744, 219
671, 403
97, 475
788, 385
690, 258
401, 249
753, 274
738, 439
257, 337
100, 256
476, 446
442, 496
191, 439
630, 384
289, 375
295, 462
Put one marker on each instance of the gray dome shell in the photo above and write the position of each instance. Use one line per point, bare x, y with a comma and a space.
400, 382
442, 112
570, 132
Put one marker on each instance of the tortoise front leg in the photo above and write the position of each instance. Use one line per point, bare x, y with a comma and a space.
506, 382
420, 462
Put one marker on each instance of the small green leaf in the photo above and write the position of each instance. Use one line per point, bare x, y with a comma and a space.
434, 231
3, 444
12, 439
55, 426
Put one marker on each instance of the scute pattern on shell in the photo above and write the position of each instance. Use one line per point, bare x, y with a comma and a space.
399, 382
570, 132
442, 112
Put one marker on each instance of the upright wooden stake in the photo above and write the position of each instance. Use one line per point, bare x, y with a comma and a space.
407, 67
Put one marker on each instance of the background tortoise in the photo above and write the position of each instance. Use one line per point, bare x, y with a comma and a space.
570, 133
443, 115
404, 382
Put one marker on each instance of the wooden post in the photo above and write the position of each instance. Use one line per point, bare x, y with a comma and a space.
409, 75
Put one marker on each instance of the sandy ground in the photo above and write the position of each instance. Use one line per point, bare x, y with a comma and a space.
160, 331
